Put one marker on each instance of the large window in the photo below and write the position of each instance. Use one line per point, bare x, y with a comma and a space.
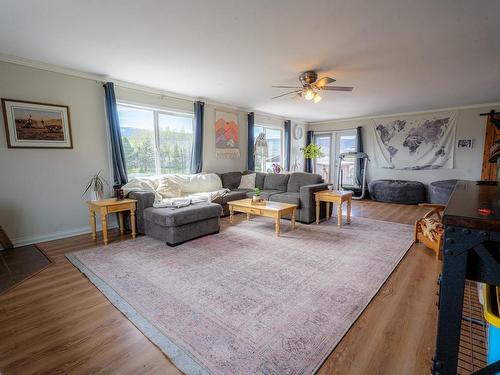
155, 141
274, 140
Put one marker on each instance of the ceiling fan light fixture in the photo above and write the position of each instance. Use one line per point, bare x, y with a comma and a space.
317, 98
309, 94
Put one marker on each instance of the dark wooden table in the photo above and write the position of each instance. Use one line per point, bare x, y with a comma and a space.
472, 251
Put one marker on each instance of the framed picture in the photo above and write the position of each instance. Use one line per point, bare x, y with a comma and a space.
464, 143
227, 132
36, 125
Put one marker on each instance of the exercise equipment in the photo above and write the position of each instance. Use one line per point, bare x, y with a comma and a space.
356, 156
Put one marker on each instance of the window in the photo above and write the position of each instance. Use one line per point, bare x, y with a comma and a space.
155, 141
274, 139
332, 145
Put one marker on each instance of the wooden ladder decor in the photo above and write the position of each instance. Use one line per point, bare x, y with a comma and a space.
4, 240
489, 170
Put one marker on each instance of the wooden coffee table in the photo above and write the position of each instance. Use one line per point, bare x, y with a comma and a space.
108, 206
270, 209
334, 196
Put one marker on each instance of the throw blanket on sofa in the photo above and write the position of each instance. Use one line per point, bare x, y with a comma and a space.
168, 189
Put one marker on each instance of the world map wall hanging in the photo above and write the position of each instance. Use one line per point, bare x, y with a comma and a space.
415, 142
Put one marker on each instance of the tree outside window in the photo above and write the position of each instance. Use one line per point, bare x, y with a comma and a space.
155, 141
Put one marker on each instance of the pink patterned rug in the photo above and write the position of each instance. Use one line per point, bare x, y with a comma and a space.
243, 301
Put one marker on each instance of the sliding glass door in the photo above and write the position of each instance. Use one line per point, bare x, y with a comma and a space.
323, 165
346, 142
332, 145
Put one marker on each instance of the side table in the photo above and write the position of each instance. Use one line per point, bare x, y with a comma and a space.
108, 206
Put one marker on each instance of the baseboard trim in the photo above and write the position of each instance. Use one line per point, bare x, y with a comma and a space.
29, 240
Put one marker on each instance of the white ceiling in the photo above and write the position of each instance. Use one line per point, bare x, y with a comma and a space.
401, 55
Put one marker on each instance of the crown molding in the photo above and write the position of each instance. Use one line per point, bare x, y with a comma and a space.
103, 78
437, 110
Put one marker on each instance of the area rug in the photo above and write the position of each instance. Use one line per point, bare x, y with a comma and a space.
244, 301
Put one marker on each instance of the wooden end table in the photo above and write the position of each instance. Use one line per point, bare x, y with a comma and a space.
109, 206
274, 210
334, 196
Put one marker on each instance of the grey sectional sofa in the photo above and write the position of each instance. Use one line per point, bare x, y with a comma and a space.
180, 225
296, 188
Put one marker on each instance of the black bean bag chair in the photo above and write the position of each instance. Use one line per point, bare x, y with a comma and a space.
440, 191
397, 191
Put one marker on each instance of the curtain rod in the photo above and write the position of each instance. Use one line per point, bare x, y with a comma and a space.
491, 113
336, 130
150, 91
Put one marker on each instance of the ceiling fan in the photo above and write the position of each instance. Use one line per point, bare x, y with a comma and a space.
310, 87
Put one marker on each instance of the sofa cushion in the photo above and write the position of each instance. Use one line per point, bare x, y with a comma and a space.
259, 178
276, 181
299, 179
174, 217
247, 181
265, 194
234, 195
292, 198
231, 180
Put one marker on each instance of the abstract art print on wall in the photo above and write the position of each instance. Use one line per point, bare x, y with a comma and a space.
36, 125
227, 133
416, 142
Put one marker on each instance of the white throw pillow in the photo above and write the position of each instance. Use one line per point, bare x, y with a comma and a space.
168, 187
247, 181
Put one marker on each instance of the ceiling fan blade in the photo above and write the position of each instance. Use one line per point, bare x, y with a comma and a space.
324, 81
286, 93
298, 96
337, 88
286, 87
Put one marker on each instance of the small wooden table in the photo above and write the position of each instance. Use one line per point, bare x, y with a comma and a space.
334, 196
271, 209
108, 206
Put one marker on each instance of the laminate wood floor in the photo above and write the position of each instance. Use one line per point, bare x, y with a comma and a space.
58, 322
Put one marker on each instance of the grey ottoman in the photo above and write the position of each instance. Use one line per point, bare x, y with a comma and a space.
397, 191
178, 225
440, 191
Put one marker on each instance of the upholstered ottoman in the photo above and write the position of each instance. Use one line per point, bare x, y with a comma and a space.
440, 191
178, 225
397, 191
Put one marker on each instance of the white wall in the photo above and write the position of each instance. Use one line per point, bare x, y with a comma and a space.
41, 189
467, 163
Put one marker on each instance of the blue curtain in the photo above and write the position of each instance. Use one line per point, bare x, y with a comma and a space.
118, 156
251, 141
197, 151
288, 144
309, 140
359, 162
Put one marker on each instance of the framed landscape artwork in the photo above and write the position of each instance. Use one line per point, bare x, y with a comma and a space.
36, 125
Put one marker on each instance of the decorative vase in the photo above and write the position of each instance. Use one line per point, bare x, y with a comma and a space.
257, 199
96, 195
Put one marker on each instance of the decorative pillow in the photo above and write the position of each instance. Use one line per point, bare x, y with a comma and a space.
168, 188
247, 181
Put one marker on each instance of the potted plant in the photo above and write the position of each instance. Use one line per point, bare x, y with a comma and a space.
257, 198
312, 151
95, 187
